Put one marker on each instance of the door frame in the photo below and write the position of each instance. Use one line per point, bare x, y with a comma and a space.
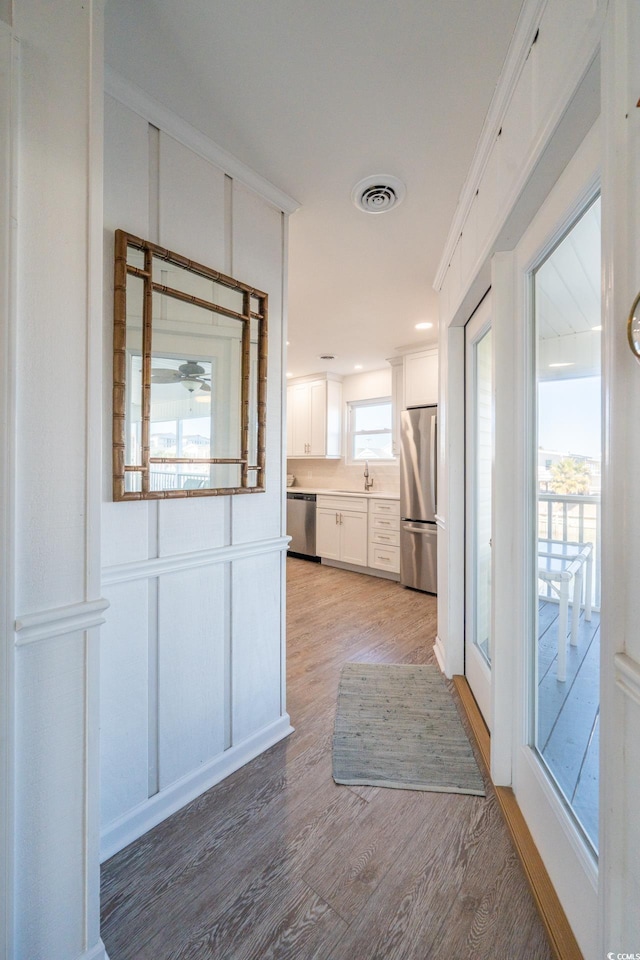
477, 671
567, 856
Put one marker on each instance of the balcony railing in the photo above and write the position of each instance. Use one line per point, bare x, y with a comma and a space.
159, 480
573, 517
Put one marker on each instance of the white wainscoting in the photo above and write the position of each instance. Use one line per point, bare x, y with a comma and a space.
140, 819
193, 644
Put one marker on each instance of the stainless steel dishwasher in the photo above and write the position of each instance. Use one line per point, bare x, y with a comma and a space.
301, 524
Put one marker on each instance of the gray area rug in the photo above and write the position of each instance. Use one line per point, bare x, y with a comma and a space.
397, 726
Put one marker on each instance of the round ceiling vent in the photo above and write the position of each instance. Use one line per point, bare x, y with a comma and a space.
378, 194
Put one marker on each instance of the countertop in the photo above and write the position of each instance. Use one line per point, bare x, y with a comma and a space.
370, 494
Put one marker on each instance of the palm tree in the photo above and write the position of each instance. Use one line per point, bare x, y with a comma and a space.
570, 476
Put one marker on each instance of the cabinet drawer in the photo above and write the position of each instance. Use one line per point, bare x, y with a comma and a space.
381, 522
384, 558
388, 508
341, 504
389, 537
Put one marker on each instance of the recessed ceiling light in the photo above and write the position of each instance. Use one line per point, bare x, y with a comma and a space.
289, 374
598, 328
288, 342
424, 325
561, 364
358, 366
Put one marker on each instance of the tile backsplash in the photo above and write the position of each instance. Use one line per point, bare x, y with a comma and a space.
336, 474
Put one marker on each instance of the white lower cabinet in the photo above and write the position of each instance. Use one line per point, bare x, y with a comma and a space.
384, 535
359, 530
341, 529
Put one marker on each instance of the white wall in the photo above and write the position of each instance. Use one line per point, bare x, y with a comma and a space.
192, 658
51, 307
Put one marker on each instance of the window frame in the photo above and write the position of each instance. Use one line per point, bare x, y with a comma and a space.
352, 406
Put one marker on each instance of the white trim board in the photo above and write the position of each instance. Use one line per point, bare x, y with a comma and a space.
117, 835
441, 655
160, 116
528, 23
98, 952
60, 621
531, 19
9, 74
158, 566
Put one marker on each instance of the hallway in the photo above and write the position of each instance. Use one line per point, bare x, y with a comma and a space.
277, 861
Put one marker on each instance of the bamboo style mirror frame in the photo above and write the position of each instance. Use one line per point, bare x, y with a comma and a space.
189, 377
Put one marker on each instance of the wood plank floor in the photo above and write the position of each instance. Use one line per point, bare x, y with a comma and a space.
279, 862
569, 713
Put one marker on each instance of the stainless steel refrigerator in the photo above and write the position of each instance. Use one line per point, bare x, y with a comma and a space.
418, 490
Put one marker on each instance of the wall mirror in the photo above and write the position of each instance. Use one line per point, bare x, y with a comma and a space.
189, 377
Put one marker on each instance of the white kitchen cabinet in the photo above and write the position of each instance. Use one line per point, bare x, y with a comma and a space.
327, 534
314, 418
341, 529
420, 378
384, 535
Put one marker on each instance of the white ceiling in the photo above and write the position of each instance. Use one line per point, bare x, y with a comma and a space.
314, 95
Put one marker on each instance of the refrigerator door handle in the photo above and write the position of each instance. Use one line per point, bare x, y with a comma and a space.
432, 464
425, 528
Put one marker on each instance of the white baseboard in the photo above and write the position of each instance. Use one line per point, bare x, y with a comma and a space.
153, 811
356, 568
98, 952
438, 649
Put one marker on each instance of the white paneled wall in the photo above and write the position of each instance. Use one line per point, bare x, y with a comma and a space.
256, 652
257, 252
192, 673
50, 275
192, 678
125, 701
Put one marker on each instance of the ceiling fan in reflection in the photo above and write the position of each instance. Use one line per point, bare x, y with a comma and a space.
189, 374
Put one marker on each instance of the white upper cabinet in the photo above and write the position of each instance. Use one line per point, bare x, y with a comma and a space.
421, 378
314, 418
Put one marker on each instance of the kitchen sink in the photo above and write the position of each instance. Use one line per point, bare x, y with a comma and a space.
354, 493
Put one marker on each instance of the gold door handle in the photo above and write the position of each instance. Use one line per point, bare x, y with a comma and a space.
633, 328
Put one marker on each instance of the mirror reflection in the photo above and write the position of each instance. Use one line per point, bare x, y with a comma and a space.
189, 377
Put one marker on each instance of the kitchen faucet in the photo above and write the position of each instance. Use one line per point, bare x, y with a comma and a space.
368, 483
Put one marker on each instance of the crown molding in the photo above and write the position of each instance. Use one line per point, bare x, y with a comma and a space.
136, 99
